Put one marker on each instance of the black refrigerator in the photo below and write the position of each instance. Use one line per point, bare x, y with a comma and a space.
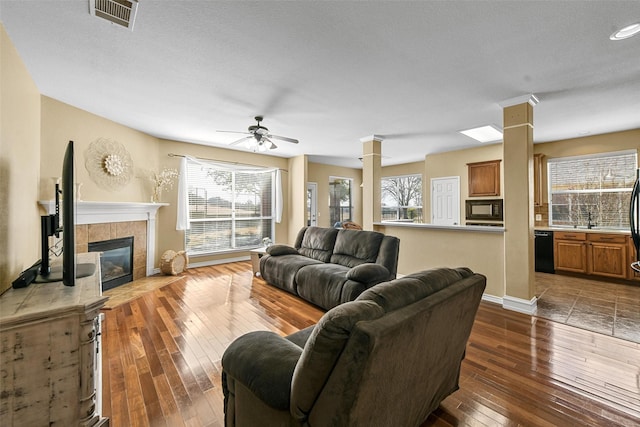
634, 220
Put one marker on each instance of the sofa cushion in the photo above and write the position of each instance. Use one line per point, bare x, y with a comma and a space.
409, 289
277, 250
318, 243
280, 271
368, 273
264, 362
322, 350
354, 247
321, 284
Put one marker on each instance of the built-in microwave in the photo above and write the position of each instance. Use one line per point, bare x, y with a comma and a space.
488, 209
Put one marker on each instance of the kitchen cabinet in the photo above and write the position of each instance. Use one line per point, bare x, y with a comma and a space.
570, 251
484, 178
538, 163
599, 254
607, 255
632, 274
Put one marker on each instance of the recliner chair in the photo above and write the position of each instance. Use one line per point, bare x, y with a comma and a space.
386, 359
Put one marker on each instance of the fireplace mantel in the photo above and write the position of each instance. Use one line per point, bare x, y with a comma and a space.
108, 212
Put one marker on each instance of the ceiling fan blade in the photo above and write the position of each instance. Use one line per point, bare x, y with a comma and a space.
284, 138
241, 140
234, 131
272, 146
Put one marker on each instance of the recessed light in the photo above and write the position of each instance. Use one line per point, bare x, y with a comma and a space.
626, 32
484, 133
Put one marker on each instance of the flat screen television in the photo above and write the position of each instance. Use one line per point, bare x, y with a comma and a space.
50, 225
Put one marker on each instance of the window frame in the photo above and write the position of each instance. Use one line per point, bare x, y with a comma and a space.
234, 218
398, 208
581, 222
350, 206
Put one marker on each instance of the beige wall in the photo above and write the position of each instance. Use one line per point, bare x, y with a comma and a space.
423, 248
297, 206
320, 173
454, 163
62, 122
19, 165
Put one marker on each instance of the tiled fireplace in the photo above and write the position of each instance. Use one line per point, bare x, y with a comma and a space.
100, 221
93, 234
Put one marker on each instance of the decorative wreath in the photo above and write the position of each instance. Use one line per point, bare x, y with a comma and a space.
108, 163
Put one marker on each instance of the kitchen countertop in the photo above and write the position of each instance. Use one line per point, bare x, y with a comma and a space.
584, 230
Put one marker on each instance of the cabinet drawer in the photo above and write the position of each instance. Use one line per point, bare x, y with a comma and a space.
569, 235
607, 238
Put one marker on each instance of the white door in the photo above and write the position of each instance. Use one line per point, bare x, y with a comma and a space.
312, 204
445, 200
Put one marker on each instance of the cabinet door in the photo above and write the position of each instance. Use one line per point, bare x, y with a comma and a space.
631, 251
570, 256
484, 178
608, 259
538, 162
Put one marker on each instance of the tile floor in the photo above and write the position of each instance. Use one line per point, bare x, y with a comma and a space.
599, 306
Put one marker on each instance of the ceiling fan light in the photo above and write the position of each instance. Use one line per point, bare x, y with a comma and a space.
262, 147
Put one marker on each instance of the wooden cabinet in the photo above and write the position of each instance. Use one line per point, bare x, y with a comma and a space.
570, 251
49, 350
632, 274
600, 254
538, 164
484, 178
607, 255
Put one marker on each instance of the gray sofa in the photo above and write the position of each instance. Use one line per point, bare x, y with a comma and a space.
329, 266
386, 359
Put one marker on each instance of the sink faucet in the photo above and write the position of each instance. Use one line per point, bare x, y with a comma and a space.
590, 225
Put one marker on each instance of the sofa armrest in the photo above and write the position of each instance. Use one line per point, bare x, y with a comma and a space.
276, 250
263, 362
368, 272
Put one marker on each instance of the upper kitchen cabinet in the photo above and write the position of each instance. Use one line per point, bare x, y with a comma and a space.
484, 178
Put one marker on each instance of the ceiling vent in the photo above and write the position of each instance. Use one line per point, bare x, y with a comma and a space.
121, 12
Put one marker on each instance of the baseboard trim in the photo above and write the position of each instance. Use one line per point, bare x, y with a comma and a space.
492, 298
514, 304
219, 261
520, 305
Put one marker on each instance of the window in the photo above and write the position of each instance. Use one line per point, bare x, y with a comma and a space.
340, 208
402, 198
591, 189
229, 207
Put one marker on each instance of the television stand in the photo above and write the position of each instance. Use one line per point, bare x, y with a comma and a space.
51, 358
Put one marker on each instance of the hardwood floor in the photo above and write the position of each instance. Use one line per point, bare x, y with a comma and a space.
161, 359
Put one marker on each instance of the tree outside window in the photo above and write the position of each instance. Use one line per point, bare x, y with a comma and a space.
402, 198
340, 207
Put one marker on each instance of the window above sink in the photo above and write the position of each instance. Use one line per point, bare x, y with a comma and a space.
591, 192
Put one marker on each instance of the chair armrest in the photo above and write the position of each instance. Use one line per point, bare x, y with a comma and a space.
263, 362
368, 272
276, 250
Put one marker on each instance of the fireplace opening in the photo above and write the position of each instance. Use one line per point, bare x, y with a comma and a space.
116, 261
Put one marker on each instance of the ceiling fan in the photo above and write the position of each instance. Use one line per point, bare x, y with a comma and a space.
259, 139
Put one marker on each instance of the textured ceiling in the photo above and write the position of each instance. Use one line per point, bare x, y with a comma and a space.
330, 73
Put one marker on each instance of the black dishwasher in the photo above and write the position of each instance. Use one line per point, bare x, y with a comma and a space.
544, 251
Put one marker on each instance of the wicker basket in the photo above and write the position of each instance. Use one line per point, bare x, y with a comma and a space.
173, 263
